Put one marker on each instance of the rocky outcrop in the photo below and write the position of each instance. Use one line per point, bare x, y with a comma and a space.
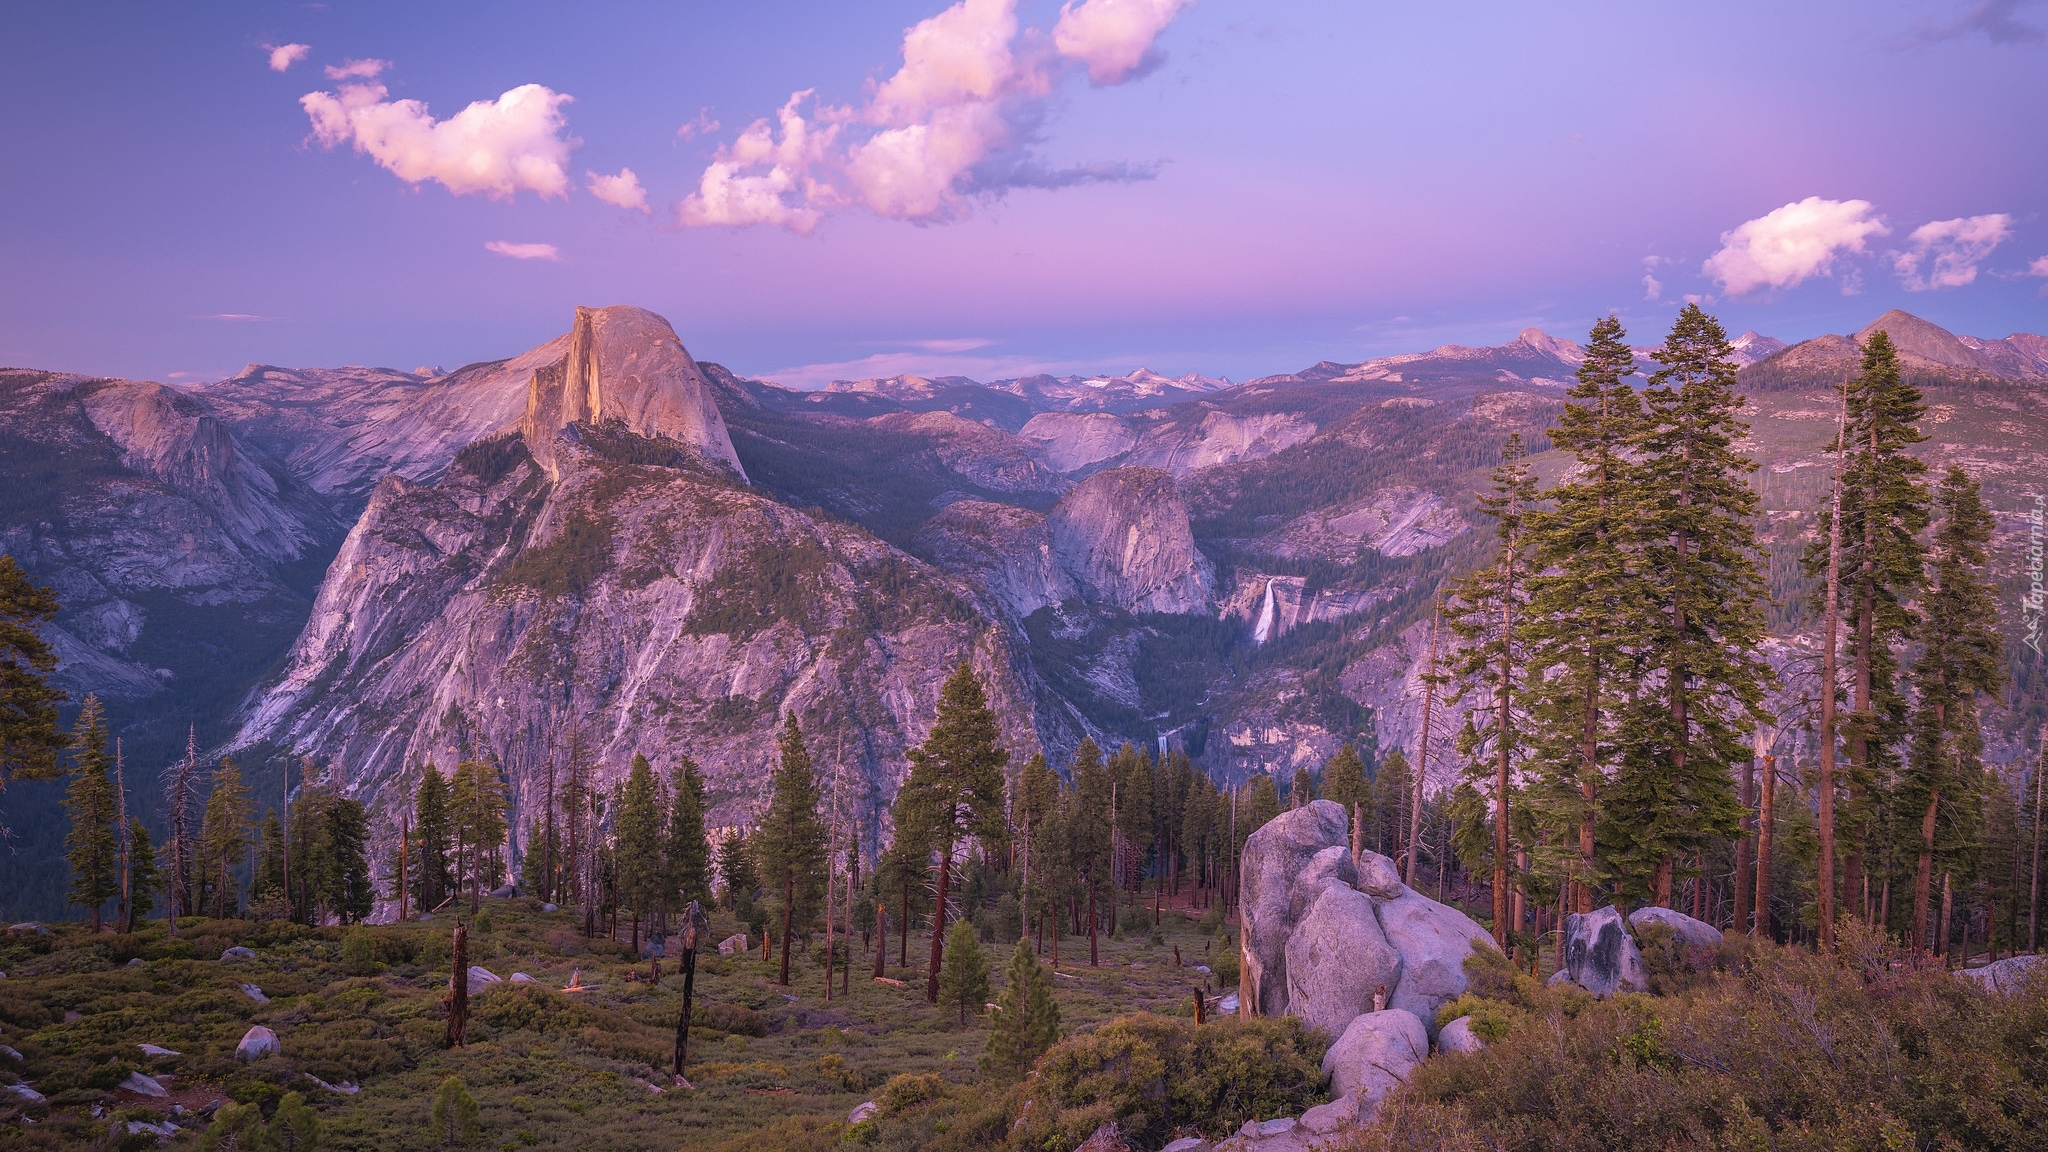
1433, 940
1071, 441
1274, 895
1338, 959
1600, 955
1001, 549
987, 457
624, 364
2008, 975
1124, 536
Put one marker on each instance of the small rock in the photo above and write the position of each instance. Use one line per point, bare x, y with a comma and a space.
1187, 1144
257, 1043
135, 963
1326, 1118
549, 908
733, 945
1378, 877
1105, 1139
426, 915
1228, 1005
158, 1050
11, 1054
1280, 1127
505, 892
865, 1110
27, 928
238, 953
1458, 1036
163, 1131
255, 993
23, 1093
1204, 970
143, 1085
478, 974
523, 978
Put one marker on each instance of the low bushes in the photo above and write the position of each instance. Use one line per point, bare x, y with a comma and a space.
1157, 1077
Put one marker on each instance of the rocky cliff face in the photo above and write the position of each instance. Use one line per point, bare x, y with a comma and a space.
625, 364
1124, 536
1003, 550
602, 579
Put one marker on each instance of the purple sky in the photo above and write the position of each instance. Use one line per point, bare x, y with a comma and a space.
1003, 186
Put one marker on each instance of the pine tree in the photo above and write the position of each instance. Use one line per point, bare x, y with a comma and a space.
433, 830
1035, 811
1301, 790
1392, 788
1485, 611
1699, 624
180, 857
454, 1118
476, 804
1345, 784
641, 867
143, 877
1262, 803
92, 846
268, 882
29, 736
347, 889
1962, 659
1085, 818
1027, 1018
1884, 511
686, 850
789, 846
1585, 579
955, 789
224, 835
737, 872
963, 979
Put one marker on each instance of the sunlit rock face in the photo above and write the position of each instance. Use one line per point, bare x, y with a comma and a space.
1124, 536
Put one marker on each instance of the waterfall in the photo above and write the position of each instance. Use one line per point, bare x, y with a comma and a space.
1263, 630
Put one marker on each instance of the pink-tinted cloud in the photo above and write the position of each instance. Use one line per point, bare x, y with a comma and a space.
702, 125
357, 69
1114, 38
1787, 245
953, 122
1951, 249
620, 191
523, 251
498, 148
2038, 267
283, 56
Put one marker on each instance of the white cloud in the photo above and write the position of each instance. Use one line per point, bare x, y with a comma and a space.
621, 191
1113, 37
2038, 267
1653, 288
955, 120
703, 125
523, 251
1954, 246
495, 148
1786, 246
283, 56
357, 69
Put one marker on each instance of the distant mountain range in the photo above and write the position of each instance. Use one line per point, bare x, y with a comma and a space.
602, 542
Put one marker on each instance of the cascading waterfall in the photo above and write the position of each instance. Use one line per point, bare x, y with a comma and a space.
1263, 630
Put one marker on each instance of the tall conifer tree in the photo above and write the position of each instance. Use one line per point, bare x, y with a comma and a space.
224, 835
642, 871
92, 845
789, 846
955, 789
686, 848
1700, 621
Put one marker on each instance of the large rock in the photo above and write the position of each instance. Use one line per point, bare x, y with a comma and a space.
1004, 550
1274, 897
1600, 955
1686, 930
1124, 535
257, 1043
482, 977
2007, 975
1337, 960
143, 1085
1375, 1055
1433, 940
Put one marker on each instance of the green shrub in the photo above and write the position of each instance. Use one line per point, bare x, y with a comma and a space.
1223, 962
359, 952
1155, 1076
455, 1118
907, 1090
